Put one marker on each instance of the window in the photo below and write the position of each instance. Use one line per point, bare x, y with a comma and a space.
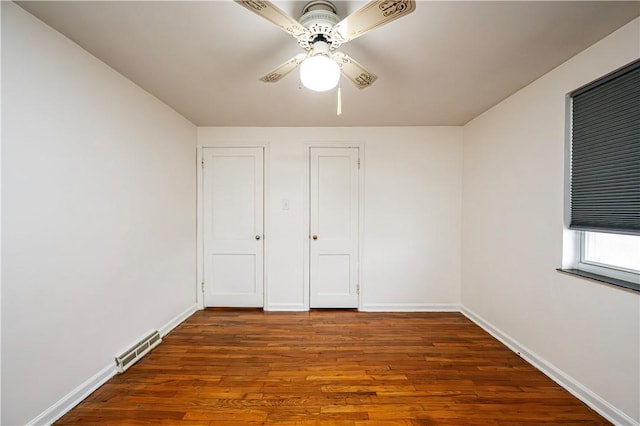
604, 176
610, 255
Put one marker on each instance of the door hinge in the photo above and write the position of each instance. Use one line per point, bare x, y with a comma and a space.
358, 163
358, 289
202, 162
202, 286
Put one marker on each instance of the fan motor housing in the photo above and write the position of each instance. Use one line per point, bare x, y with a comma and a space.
319, 17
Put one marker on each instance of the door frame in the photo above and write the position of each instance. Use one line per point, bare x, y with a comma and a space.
200, 216
307, 219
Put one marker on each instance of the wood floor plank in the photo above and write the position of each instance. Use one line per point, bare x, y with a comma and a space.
330, 367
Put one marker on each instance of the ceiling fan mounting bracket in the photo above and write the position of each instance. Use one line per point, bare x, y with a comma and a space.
319, 18
319, 5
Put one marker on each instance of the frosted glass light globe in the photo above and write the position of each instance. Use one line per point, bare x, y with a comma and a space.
319, 73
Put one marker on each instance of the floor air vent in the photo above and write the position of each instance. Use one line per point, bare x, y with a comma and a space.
140, 349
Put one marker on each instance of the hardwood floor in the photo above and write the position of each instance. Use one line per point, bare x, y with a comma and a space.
248, 367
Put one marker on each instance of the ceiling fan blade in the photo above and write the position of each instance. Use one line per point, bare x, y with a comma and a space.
371, 16
359, 75
284, 69
275, 15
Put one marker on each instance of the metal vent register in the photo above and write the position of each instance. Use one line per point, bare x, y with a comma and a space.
137, 351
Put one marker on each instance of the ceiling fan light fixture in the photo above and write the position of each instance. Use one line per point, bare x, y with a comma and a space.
319, 72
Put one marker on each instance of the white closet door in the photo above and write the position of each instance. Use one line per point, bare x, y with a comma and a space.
334, 228
233, 227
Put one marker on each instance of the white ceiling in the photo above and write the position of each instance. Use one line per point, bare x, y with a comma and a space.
442, 65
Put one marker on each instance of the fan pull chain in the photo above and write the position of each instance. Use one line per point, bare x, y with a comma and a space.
339, 101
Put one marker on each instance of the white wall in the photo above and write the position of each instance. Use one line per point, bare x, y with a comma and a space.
513, 229
0, 227
98, 220
412, 198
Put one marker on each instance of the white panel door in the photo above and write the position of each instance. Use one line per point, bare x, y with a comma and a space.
233, 227
334, 228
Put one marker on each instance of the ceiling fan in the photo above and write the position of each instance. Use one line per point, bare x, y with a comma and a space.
320, 32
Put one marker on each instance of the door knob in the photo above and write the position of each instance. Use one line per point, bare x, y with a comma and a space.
315, 237
257, 237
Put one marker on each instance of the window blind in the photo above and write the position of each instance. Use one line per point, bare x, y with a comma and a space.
605, 154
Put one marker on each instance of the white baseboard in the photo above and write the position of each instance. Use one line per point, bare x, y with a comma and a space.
286, 307
76, 396
574, 387
409, 307
375, 307
177, 320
